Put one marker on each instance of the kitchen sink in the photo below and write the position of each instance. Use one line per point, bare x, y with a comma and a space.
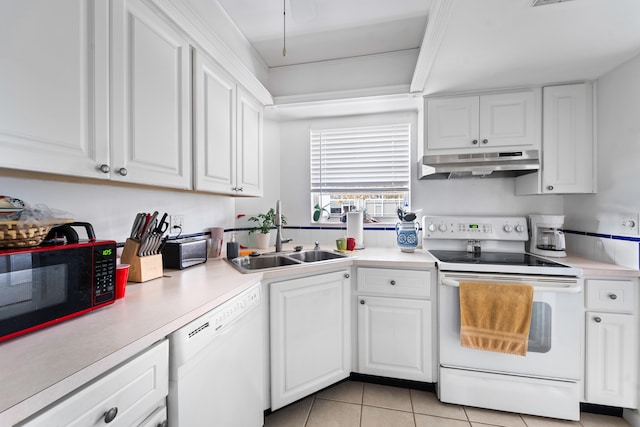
248, 264
263, 261
315, 256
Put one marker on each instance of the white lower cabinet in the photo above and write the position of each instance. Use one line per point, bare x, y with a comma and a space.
395, 323
310, 328
611, 357
133, 394
394, 337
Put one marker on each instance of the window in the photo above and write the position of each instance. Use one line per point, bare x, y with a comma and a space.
365, 168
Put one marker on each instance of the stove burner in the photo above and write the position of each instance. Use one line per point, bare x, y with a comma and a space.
494, 258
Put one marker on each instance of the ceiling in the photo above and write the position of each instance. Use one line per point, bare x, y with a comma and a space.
472, 45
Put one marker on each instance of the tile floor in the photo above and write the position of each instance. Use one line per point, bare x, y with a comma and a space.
357, 404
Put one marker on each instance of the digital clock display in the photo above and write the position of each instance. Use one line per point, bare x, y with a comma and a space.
473, 226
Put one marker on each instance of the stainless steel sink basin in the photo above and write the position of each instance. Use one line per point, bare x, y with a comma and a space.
315, 256
264, 261
248, 264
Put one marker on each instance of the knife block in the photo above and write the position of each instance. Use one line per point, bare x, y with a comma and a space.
141, 269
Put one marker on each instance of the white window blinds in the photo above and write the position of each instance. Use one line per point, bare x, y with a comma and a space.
367, 159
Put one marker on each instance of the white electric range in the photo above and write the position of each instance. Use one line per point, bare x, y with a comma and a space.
546, 381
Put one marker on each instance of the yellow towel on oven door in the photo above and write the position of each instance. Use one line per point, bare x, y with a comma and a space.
495, 316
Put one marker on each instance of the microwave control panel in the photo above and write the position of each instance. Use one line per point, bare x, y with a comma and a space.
104, 272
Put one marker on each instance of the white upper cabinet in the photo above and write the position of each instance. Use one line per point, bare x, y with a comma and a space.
54, 86
567, 146
150, 98
228, 133
214, 127
249, 149
488, 122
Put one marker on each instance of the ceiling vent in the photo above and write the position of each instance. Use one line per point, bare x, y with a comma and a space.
544, 2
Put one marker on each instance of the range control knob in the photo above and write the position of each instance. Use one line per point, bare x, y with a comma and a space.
431, 227
442, 227
519, 228
507, 228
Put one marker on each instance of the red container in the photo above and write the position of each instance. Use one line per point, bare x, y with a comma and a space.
351, 243
122, 275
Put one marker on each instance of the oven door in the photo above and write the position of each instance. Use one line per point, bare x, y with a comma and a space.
554, 338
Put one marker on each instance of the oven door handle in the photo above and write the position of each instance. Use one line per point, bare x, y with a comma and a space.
575, 289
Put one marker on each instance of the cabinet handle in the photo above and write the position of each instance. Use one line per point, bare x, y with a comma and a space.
104, 168
123, 171
362, 301
474, 142
346, 276
549, 187
613, 296
393, 282
485, 141
110, 415
240, 189
597, 319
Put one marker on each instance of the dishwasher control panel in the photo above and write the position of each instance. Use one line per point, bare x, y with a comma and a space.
198, 334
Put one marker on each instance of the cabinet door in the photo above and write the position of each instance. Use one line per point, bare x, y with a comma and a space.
394, 338
214, 126
509, 119
54, 86
249, 149
452, 122
310, 325
129, 394
567, 156
151, 135
611, 359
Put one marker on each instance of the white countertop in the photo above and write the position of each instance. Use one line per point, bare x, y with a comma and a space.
44, 366
41, 367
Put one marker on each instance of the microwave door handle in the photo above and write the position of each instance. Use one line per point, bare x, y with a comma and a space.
575, 289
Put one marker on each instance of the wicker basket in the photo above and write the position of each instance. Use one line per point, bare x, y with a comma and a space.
22, 234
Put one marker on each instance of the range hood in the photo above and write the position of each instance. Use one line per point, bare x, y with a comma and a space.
479, 165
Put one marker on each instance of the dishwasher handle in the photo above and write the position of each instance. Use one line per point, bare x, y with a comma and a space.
573, 289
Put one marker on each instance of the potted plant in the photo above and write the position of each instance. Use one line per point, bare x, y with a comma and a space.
265, 222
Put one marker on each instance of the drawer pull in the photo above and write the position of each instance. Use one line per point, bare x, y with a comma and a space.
346, 276
393, 282
362, 301
613, 296
597, 319
110, 415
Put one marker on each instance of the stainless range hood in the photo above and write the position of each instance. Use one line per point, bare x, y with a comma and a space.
479, 165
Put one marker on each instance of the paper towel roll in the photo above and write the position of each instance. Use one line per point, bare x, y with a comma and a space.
355, 228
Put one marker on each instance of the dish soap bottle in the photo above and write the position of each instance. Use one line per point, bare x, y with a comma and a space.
232, 247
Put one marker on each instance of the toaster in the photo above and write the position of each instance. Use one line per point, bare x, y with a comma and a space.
182, 253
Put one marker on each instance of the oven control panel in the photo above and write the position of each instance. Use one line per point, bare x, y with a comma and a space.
475, 228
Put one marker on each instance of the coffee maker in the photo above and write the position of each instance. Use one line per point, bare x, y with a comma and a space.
546, 237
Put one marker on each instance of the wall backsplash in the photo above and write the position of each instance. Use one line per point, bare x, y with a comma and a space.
111, 209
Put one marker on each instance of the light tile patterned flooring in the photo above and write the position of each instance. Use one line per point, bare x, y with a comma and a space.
357, 404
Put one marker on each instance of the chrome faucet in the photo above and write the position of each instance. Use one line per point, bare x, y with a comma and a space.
278, 224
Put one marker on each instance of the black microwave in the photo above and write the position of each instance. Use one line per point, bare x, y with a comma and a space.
45, 285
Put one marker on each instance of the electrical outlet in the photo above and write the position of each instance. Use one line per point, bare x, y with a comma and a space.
176, 224
630, 224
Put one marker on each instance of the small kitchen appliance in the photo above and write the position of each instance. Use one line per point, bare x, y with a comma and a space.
546, 237
47, 284
183, 253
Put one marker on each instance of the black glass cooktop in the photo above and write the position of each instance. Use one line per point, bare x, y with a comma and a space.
494, 258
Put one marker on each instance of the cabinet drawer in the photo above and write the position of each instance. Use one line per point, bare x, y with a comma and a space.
134, 388
613, 295
388, 281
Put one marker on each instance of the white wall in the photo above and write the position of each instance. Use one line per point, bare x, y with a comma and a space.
454, 197
111, 209
618, 157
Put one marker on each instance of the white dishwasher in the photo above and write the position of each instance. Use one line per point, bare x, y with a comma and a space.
216, 366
